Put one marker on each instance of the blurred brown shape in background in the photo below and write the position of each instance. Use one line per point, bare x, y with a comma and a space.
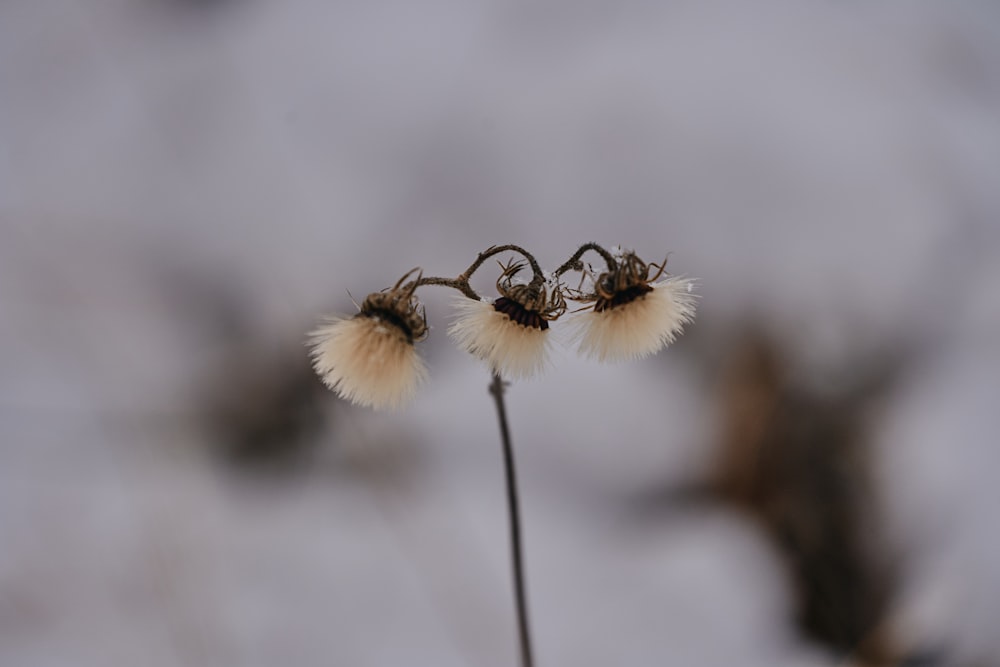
796, 457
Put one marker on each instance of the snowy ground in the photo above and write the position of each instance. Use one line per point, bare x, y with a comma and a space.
186, 185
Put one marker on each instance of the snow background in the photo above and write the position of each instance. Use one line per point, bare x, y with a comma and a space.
830, 168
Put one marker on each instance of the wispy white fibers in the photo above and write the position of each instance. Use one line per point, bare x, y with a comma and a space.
638, 328
367, 360
513, 350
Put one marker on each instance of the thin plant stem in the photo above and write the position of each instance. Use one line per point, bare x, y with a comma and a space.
573, 263
524, 635
536, 269
460, 284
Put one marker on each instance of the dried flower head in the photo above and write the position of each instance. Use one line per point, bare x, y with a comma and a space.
632, 315
370, 358
510, 333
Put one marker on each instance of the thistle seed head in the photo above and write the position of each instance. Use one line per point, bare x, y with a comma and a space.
632, 315
370, 358
509, 334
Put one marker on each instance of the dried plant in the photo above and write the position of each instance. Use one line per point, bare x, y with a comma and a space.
371, 359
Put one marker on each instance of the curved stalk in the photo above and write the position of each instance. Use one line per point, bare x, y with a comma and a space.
536, 270
461, 283
575, 264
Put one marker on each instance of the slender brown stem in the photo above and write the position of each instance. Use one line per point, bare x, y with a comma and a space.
524, 636
461, 284
574, 261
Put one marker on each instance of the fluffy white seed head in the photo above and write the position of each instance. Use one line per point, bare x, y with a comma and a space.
367, 360
513, 350
638, 328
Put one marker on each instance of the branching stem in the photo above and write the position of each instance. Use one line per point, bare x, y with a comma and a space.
461, 283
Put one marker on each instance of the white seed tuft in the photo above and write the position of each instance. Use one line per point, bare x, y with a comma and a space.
511, 349
638, 328
367, 361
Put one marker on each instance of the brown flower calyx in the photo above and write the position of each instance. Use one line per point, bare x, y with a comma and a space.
628, 281
528, 304
397, 308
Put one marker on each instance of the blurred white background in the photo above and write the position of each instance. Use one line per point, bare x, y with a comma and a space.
187, 186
